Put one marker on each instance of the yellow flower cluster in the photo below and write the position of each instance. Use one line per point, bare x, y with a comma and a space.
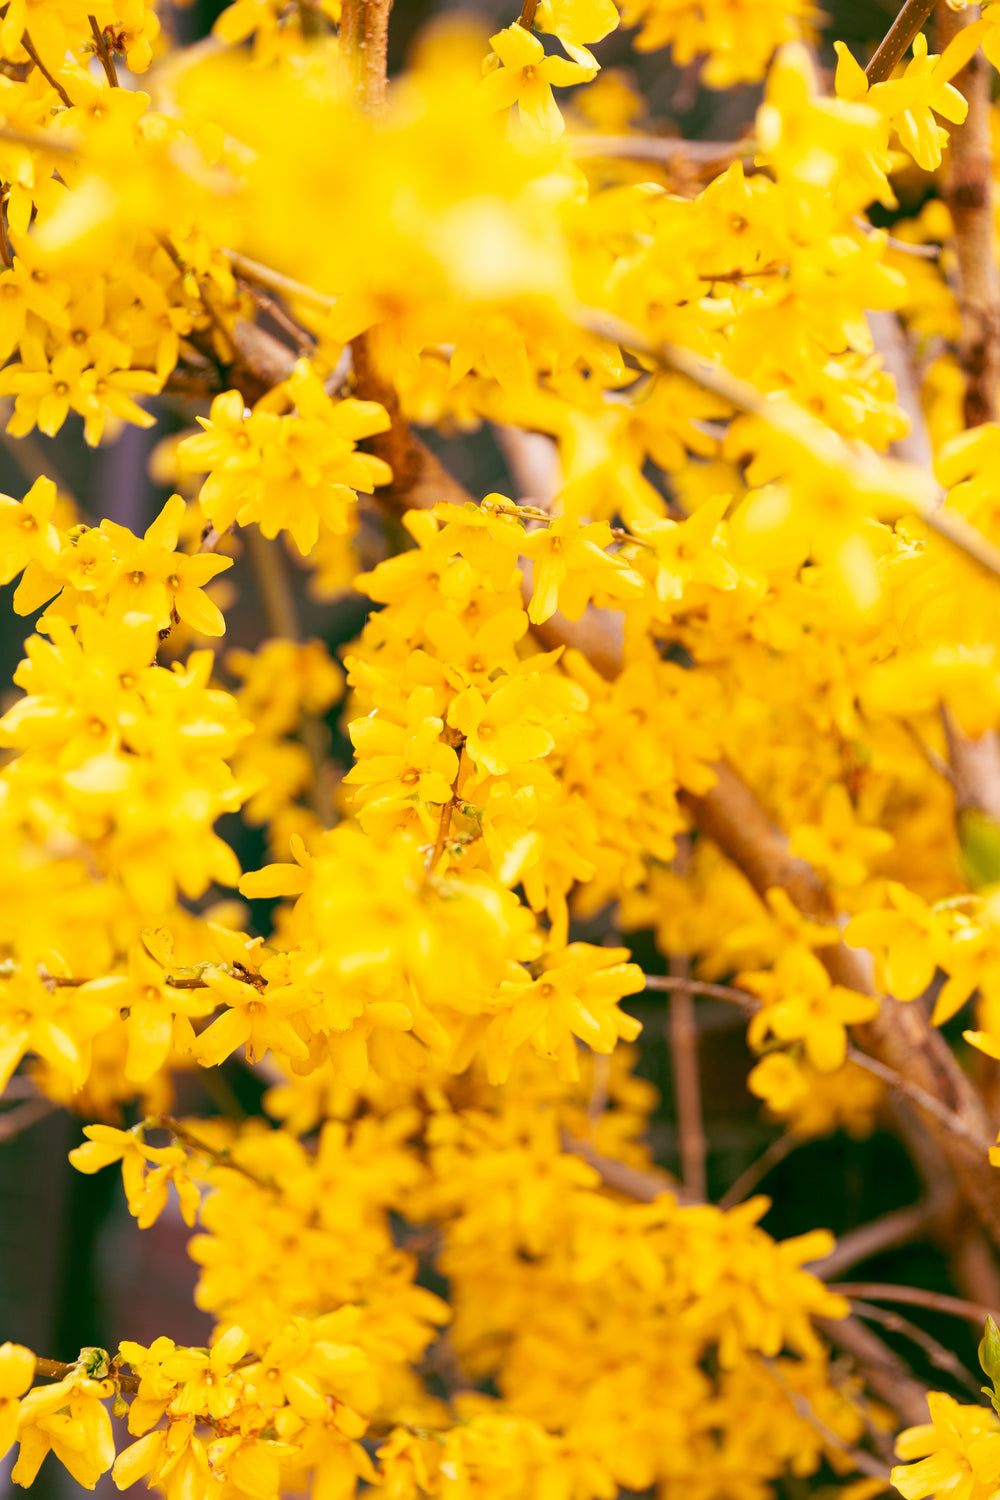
288, 471
438, 1045
321, 1319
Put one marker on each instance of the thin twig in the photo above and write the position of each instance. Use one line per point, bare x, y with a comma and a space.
305, 341
896, 40
104, 52
222, 1157
671, 982
940, 1357
887, 1232
915, 1296
758, 1170
29, 47
275, 281
57, 1369
37, 140
663, 149
932, 1106
864, 1462
14, 1122
644, 1184
683, 1033
785, 416
885, 1373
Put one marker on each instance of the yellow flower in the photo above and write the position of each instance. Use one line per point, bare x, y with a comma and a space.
17, 1371
838, 846
924, 87
959, 1453
800, 1003
576, 995
256, 1002
570, 567
27, 534
499, 734
155, 580
402, 764
912, 936
69, 1418
145, 1190
577, 23
691, 551
520, 73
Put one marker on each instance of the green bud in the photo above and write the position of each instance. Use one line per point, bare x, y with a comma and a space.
119, 1407
979, 837
94, 1362
989, 1351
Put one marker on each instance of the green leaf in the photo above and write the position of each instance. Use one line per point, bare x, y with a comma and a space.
989, 1352
979, 837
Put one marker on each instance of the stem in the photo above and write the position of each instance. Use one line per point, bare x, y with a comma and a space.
915, 1296
527, 16
222, 1158
683, 1034
643, 1184
304, 341
29, 47
282, 616
920, 1096
940, 1357
36, 139
103, 49
57, 1369
6, 252
896, 40
671, 982
889, 1377
757, 1170
798, 425
886, 1233
861, 1460
968, 192
659, 148
253, 270
14, 1121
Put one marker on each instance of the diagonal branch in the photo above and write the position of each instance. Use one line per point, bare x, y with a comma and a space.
904, 28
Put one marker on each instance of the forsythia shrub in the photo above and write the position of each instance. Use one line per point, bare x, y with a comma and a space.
723, 663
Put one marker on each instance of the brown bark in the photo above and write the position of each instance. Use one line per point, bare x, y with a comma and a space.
968, 192
904, 28
364, 40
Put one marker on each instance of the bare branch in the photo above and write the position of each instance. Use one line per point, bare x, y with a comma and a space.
887, 1376
275, 281
745, 1183
683, 1036
915, 1296
940, 1357
896, 40
969, 193
861, 1460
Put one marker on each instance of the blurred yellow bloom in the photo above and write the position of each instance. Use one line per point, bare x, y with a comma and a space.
518, 72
